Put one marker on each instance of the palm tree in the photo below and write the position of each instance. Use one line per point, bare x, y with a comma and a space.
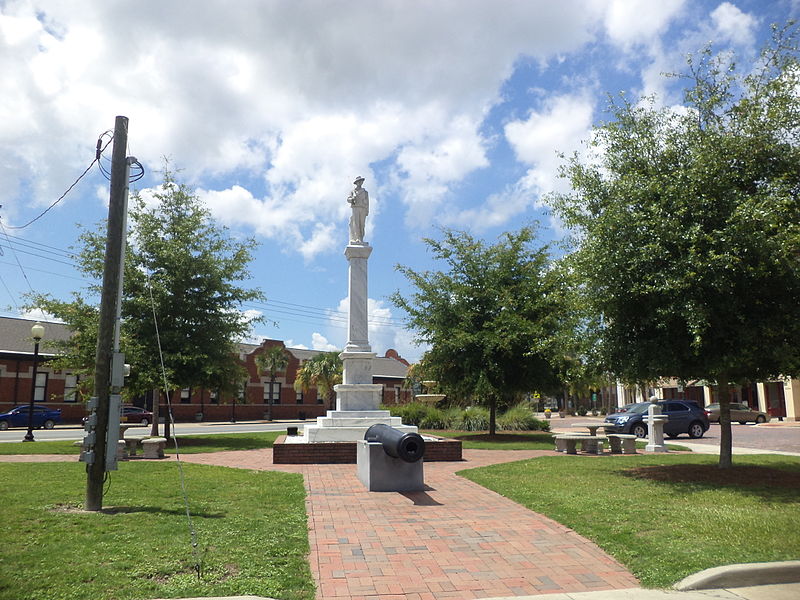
272, 361
324, 371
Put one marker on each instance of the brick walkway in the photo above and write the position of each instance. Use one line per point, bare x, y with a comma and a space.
455, 540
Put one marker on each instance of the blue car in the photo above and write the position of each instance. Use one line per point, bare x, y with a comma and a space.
42, 417
684, 417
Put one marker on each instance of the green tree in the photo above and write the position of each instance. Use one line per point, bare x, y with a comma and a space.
323, 371
181, 301
687, 228
491, 318
272, 361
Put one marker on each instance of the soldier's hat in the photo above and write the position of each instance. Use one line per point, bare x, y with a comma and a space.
357, 179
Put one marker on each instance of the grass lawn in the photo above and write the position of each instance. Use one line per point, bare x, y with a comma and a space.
251, 534
512, 440
664, 517
190, 444
503, 440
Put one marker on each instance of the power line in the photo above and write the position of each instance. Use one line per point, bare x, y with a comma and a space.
98, 153
24, 275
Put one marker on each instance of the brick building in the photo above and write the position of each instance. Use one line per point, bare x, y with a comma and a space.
58, 389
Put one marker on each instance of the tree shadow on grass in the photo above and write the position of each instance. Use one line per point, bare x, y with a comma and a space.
126, 510
769, 483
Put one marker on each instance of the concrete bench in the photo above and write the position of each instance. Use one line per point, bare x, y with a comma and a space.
153, 447
561, 439
621, 443
134, 442
590, 444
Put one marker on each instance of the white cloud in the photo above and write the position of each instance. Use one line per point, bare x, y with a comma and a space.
559, 127
731, 24
39, 315
304, 94
320, 342
630, 22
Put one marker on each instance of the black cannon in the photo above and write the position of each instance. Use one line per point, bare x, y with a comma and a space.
409, 447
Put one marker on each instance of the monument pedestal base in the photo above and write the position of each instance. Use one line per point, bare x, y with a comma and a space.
349, 426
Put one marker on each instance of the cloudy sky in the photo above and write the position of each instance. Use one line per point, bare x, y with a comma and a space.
453, 110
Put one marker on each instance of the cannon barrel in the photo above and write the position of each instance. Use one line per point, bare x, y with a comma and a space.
409, 447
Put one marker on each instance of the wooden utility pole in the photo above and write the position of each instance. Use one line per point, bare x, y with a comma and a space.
109, 302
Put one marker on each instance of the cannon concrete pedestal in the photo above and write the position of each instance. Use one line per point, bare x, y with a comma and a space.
380, 472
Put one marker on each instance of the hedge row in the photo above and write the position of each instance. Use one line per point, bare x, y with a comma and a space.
473, 418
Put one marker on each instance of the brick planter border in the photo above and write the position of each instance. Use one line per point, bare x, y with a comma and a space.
345, 452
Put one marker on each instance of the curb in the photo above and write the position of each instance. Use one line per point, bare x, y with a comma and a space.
743, 575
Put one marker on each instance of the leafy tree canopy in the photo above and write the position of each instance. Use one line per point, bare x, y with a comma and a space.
687, 226
184, 270
490, 317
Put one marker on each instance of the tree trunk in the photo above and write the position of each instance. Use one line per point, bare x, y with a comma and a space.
166, 415
725, 434
493, 416
156, 401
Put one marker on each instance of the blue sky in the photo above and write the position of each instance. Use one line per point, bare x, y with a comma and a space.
453, 110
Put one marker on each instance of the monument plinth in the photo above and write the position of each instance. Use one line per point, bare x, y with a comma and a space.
357, 398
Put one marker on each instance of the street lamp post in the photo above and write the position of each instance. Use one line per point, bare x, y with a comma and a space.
37, 331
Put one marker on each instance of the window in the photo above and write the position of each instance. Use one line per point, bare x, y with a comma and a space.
298, 399
272, 392
40, 391
70, 388
186, 395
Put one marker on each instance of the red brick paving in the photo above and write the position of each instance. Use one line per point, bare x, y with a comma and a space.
454, 540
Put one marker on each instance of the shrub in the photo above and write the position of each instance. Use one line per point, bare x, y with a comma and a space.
434, 418
581, 411
521, 418
474, 418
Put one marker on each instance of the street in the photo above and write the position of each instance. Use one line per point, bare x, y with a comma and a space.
774, 435
76, 432
780, 436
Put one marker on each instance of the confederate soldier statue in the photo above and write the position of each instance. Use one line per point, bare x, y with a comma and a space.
359, 201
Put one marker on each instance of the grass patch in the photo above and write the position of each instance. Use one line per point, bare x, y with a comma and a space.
196, 444
40, 447
251, 534
663, 517
517, 440
189, 444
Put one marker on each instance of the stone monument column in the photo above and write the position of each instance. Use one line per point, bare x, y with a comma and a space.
357, 392
357, 398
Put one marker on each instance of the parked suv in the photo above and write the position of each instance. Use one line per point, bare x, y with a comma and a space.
684, 417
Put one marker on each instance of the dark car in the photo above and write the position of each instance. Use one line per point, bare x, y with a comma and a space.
42, 417
684, 417
134, 414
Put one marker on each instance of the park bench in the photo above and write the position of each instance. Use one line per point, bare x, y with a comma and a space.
590, 444
621, 443
153, 447
132, 443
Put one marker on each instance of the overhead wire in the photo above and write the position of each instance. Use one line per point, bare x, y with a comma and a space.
98, 153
